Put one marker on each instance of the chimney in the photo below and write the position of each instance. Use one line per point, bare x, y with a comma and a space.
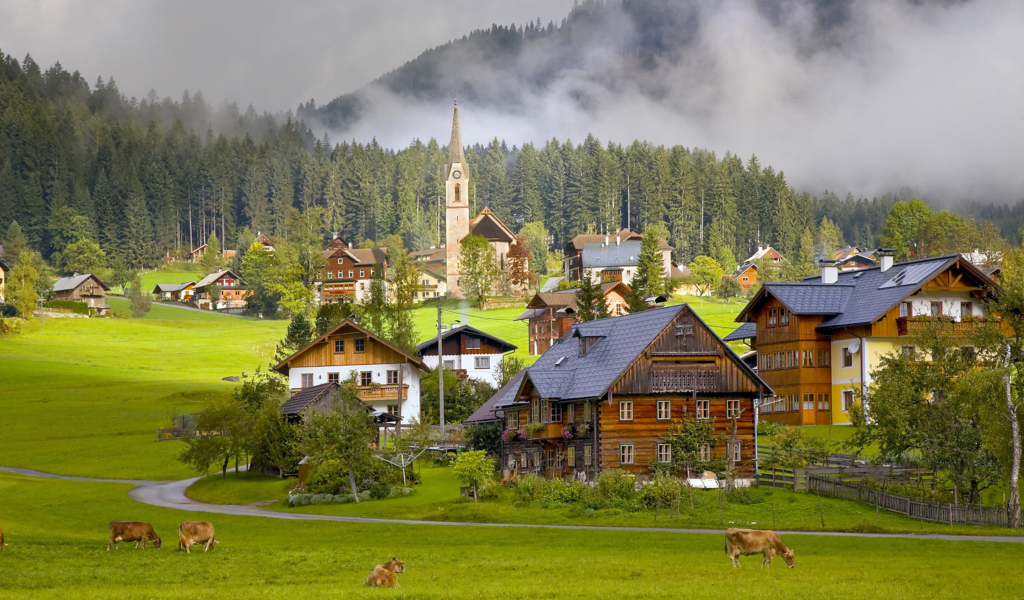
335, 235
616, 240
350, 245
885, 258
829, 271
605, 240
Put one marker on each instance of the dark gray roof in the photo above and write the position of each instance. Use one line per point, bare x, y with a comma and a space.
69, 283
171, 287
804, 299
306, 397
744, 332
468, 330
503, 397
598, 254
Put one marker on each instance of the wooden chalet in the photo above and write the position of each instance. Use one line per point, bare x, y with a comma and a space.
852, 257
606, 393
234, 293
818, 340
552, 314
468, 351
388, 378
347, 273
175, 291
746, 273
4, 269
83, 288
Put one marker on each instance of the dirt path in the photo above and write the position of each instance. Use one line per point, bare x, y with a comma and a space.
172, 495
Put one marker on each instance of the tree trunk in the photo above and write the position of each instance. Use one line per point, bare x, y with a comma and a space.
1013, 506
475, 499
224, 467
352, 485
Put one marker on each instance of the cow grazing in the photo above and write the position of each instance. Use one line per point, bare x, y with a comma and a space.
2, 542
132, 531
196, 532
744, 542
384, 575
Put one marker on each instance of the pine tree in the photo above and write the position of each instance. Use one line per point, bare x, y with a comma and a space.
299, 333
649, 279
212, 260
590, 302
15, 242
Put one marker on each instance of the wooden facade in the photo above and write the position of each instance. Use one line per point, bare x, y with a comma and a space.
685, 365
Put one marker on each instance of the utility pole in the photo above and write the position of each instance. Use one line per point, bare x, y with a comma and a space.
440, 375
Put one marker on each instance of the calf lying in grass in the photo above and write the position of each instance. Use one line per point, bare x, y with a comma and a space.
385, 575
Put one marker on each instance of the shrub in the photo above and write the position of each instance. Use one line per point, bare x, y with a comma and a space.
661, 492
79, 308
767, 428
530, 487
8, 311
616, 484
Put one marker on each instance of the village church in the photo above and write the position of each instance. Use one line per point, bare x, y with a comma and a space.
457, 221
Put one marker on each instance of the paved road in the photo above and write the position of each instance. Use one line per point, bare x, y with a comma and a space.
172, 495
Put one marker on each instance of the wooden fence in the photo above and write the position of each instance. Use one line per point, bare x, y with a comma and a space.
840, 466
953, 514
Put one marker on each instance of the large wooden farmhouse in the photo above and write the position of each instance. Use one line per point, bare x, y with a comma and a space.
551, 314
348, 271
818, 340
388, 378
606, 393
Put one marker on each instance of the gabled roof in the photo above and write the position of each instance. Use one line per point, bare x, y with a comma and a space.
551, 284
213, 277
562, 299
490, 227
846, 252
199, 249
597, 255
306, 397
433, 274
743, 269
859, 297
162, 288
282, 367
466, 330
66, 284
503, 397
3, 265
624, 234
429, 255
761, 253
561, 373
360, 256
744, 332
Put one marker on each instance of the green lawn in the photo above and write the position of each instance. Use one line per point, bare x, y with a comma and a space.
239, 488
57, 533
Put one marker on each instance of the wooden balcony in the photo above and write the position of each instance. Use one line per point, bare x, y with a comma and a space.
551, 430
917, 325
683, 378
374, 393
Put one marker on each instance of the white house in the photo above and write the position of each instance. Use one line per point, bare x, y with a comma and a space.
388, 379
467, 349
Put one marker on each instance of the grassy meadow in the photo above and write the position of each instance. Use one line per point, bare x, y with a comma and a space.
57, 532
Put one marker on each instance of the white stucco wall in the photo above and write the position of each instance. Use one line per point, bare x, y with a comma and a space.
411, 376
467, 362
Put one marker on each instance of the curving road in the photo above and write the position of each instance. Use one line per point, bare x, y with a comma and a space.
172, 495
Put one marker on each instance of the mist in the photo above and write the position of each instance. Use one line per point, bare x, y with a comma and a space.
926, 98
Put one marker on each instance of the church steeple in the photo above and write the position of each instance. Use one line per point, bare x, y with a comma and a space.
455, 152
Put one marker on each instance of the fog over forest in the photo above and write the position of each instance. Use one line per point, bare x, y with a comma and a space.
866, 97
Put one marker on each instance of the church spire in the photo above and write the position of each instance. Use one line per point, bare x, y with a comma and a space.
455, 153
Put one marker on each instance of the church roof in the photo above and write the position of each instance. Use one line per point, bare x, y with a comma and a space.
488, 225
455, 152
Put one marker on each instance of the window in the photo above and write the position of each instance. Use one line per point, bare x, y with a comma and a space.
512, 421
766, 362
772, 318
936, 309
782, 360
392, 409
522, 460
307, 380
361, 345
734, 451
392, 377
626, 454
555, 412
587, 411
705, 452
472, 343
551, 459
664, 410
966, 309
339, 346
362, 272
333, 378
847, 400
808, 358
823, 403
808, 401
482, 362
330, 274
703, 410
588, 455
905, 309
449, 364
570, 413
847, 357
664, 453
570, 456
794, 359
350, 272
783, 316
823, 357
908, 352
365, 378
626, 410
732, 408
794, 402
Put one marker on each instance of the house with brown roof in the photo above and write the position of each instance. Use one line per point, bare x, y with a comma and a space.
469, 351
852, 257
746, 273
83, 288
387, 377
552, 314
234, 292
346, 275
607, 394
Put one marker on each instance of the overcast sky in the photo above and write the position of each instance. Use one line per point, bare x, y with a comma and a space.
270, 53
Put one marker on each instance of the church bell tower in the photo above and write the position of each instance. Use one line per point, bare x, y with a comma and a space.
456, 206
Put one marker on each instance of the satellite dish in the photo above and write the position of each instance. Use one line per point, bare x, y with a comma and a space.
854, 347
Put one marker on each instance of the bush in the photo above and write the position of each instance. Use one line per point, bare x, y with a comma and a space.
8, 311
616, 484
530, 487
79, 308
767, 428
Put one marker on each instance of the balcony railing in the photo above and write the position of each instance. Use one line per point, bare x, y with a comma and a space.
371, 393
917, 325
683, 378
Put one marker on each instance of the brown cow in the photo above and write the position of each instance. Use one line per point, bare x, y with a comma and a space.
744, 542
132, 531
384, 575
2, 542
196, 532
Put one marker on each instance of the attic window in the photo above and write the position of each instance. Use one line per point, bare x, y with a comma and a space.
559, 361
684, 329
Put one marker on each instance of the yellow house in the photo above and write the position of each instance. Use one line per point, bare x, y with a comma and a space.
432, 285
818, 340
